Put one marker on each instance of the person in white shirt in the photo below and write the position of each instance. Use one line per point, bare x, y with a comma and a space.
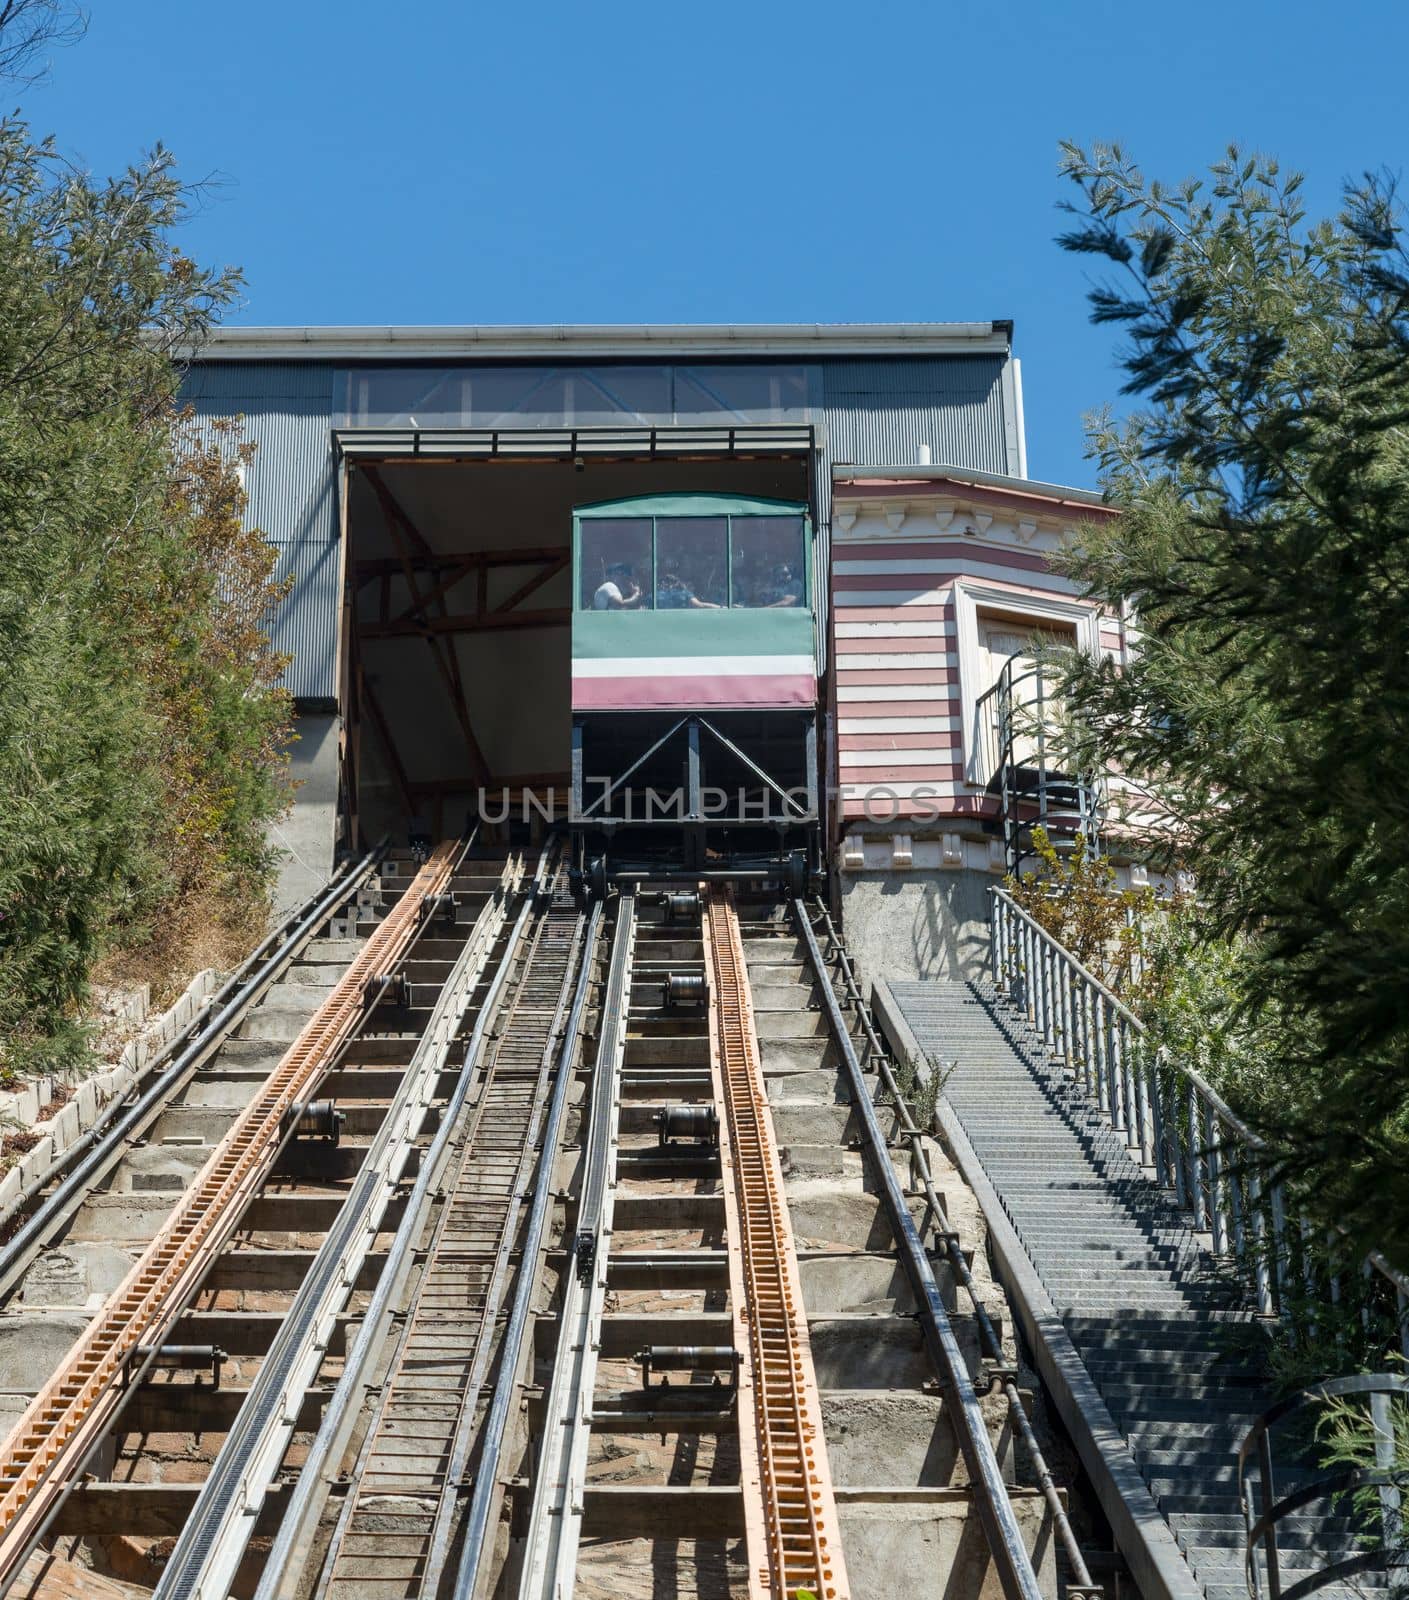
618, 591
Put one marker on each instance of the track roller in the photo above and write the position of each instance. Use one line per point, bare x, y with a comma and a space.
685, 989
665, 1358
438, 908
700, 1124
316, 1119
387, 986
681, 905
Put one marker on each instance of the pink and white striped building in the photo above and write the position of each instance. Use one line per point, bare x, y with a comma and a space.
938, 575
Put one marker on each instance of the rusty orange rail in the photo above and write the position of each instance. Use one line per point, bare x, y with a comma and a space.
789, 1507
71, 1412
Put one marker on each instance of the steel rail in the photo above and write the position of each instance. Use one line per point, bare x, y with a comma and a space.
207, 1554
462, 1438
1005, 1541
102, 1145
484, 1495
71, 1413
282, 1575
791, 1521
555, 1521
422, 1431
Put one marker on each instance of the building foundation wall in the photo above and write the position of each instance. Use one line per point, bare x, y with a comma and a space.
306, 839
916, 924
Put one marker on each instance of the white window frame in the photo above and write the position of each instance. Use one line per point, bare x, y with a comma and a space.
1029, 608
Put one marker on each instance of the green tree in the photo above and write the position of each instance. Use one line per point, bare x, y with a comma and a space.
1265, 551
139, 734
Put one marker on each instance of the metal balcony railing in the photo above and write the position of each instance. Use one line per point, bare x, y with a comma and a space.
1020, 762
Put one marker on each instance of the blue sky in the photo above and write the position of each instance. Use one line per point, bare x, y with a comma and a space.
729, 162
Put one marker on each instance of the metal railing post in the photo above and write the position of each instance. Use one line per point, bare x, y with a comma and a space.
1262, 1276
1151, 1068
1105, 1038
1176, 1121
1196, 1175
1281, 1260
1218, 1203
1136, 1069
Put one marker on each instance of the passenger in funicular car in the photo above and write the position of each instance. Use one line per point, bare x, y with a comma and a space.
618, 590
674, 594
782, 588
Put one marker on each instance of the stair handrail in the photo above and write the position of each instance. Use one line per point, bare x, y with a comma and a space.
1165, 1108
1112, 999
1263, 1515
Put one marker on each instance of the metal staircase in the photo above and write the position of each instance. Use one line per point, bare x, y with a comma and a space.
1156, 1261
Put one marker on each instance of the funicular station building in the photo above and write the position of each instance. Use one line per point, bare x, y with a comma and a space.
737, 592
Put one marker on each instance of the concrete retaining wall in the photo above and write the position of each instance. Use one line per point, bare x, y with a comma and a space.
22, 1106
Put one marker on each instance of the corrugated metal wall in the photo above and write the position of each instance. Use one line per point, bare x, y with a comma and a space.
881, 412
292, 488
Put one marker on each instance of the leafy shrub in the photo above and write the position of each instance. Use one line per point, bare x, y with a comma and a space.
140, 734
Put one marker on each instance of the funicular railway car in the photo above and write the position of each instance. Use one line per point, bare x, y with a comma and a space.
694, 681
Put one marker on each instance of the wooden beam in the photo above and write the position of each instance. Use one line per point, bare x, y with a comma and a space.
393, 511
471, 622
537, 581
199, 1408
649, 1510
147, 1510
457, 574
473, 565
370, 567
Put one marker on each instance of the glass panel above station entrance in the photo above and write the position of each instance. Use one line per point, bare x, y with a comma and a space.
577, 396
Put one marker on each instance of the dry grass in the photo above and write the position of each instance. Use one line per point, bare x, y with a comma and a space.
205, 929
15, 1145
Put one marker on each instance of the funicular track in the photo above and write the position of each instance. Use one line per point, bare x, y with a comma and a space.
394, 1534
262, 1190
688, 1258
449, 1407
71, 1413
